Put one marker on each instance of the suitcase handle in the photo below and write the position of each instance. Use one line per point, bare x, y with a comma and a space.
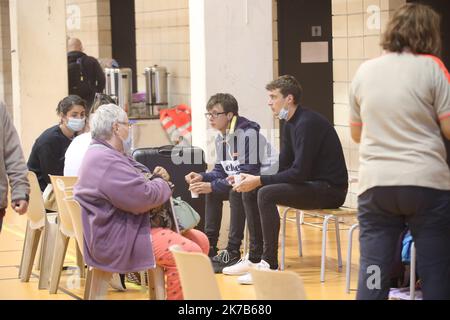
168, 151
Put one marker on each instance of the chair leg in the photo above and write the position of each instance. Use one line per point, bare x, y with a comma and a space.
338, 242
324, 247
29, 253
283, 239
98, 284
412, 275
87, 284
48, 244
302, 217
23, 250
58, 261
349, 257
80, 262
156, 284
299, 233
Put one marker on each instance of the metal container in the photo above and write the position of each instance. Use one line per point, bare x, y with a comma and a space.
119, 86
156, 88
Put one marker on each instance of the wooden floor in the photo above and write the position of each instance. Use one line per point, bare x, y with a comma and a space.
308, 267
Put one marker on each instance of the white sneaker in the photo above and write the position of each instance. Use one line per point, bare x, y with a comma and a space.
240, 268
116, 282
247, 278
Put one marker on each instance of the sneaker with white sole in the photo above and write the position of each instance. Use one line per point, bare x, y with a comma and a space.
240, 268
117, 282
247, 278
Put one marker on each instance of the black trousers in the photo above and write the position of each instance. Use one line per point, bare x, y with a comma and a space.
213, 218
383, 213
309, 195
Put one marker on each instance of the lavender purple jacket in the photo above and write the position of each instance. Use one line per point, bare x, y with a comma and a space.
115, 199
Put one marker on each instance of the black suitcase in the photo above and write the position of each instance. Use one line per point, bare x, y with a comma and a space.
178, 161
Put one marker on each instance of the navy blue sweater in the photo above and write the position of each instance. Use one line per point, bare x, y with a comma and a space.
310, 151
247, 144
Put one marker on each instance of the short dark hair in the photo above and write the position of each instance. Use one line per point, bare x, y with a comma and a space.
66, 104
226, 100
287, 85
416, 27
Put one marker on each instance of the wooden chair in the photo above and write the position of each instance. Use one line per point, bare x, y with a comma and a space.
97, 280
196, 274
277, 285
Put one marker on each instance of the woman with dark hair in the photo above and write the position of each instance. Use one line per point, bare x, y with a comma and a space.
400, 108
47, 154
75, 152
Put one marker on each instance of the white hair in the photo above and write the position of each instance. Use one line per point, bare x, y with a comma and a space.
104, 118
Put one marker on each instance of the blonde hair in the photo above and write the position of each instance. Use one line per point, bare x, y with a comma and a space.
415, 27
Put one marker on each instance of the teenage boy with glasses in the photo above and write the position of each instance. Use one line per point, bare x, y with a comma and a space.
237, 146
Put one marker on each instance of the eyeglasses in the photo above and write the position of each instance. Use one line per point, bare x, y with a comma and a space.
213, 115
129, 123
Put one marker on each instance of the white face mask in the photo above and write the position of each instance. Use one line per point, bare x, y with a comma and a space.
75, 124
283, 114
127, 144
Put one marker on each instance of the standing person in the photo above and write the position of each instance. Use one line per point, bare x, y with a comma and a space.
237, 145
86, 76
12, 168
312, 171
400, 104
48, 152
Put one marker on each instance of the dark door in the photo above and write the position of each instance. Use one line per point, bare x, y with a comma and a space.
298, 21
123, 35
443, 8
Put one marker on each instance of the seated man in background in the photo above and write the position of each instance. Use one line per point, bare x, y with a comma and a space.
237, 146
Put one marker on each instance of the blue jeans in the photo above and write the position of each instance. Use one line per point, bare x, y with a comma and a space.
383, 214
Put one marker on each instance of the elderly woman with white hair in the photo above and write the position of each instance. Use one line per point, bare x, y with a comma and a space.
116, 197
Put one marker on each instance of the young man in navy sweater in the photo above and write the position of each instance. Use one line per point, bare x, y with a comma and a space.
237, 150
312, 172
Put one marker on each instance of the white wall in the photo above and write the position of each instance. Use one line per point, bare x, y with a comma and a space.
39, 65
231, 44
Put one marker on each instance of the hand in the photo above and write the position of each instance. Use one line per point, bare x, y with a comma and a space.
201, 187
248, 183
162, 172
20, 206
230, 180
193, 177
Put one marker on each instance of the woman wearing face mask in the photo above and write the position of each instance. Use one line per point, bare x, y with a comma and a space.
116, 196
47, 154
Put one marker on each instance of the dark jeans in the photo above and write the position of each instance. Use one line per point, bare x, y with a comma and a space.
213, 218
383, 214
309, 195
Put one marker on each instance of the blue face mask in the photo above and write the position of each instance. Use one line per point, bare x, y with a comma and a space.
127, 144
283, 114
75, 124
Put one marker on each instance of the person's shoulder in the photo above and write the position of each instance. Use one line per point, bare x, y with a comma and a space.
246, 124
313, 118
